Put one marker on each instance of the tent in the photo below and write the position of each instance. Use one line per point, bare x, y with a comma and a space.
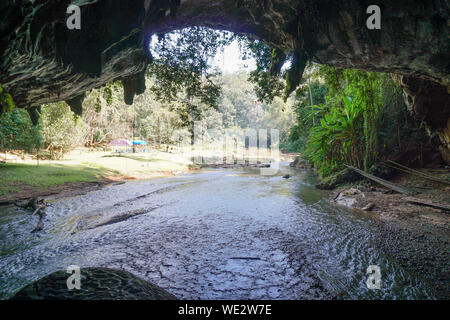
139, 143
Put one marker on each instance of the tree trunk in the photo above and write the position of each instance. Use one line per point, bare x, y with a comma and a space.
311, 98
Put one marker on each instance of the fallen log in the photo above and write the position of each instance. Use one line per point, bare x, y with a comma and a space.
33, 203
387, 184
30, 204
403, 168
429, 203
37, 205
37, 210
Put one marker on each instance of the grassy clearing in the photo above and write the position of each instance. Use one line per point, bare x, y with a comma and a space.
134, 165
17, 176
83, 166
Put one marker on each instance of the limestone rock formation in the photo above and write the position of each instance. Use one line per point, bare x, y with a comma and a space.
95, 284
42, 61
429, 102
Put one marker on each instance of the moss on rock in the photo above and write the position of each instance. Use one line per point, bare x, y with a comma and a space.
6, 101
341, 177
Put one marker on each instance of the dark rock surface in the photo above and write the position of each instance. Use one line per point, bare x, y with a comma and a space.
429, 103
96, 284
300, 163
42, 61
344, 176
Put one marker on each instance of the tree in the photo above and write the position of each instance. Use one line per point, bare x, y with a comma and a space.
17, 132
61, 129
312, 91
106, 115
182, 70
266, 77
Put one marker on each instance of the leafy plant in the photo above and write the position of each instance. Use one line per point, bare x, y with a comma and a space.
336, 139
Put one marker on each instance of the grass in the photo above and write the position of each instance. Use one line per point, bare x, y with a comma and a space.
137, 165
17, 176
83, 166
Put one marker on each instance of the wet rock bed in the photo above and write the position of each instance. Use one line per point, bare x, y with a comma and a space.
210, 236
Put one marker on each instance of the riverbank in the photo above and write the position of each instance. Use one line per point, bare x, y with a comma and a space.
81, 171
417, 236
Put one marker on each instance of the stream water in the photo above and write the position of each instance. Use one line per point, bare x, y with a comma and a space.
213, 234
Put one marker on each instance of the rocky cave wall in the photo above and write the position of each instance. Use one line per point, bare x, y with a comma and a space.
42, 61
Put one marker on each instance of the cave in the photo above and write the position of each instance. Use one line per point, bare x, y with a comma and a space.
43, 61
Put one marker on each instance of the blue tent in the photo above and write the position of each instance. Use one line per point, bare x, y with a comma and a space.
139, 142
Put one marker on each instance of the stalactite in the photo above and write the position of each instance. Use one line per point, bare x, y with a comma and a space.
34, 115
133, 85
295, 73
76, 104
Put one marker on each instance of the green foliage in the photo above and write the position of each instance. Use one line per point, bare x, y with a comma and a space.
336, 140
105, 115
344, 128
267, 87
240, 107
182, 71
60, 130
365, 88
182, 67
13, 175
6, 101
267, 82
111, 90
396, 127
359, 118
17, 132
307, 115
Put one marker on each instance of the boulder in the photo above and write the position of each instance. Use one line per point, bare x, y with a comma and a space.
341, 177
96, 284
300, 163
